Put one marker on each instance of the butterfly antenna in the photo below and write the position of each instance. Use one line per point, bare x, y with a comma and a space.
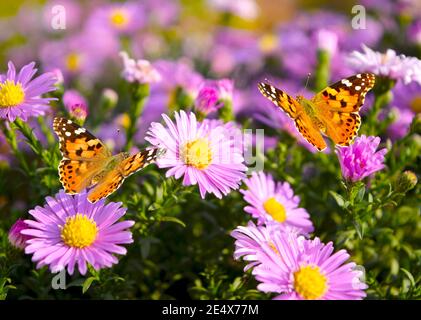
300, 93
118, 132
268, 81
308, 79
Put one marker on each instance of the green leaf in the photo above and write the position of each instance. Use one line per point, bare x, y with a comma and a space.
409, 276
173, 219
87, 284
359, 228
338, 198
357, 192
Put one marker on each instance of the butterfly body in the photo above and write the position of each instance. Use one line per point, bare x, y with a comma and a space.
332, 112
87, 162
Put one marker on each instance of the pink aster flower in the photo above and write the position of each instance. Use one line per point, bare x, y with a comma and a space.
301, 269
275, 202
203, 155
249, 241
140, 71
20, 95
361, 159
120, 18
389, 64
70, 230
17, 239
179, 74
75, 104
82, 54
213, 94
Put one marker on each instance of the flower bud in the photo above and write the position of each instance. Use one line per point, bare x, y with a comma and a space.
109, 99
406, 181
75, 104
17, 239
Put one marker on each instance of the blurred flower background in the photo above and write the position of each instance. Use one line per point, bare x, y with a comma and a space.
118, 66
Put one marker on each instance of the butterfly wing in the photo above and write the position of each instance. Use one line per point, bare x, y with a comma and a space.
339, 105
84, 156
310, 132
281, 99
76, 175
77, 143
294, 110
115, 177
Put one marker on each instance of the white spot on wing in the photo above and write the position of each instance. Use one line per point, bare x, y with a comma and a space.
346, 82
80, 130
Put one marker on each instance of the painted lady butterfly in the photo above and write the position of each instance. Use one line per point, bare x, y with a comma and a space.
87, 162
333, 111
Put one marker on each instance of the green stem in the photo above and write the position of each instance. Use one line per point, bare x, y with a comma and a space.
46, 131
226, 113
33, 141
322, 70
10, 134
139, 95
380, 101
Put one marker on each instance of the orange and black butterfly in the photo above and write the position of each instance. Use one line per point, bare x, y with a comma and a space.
87, 162
332, 112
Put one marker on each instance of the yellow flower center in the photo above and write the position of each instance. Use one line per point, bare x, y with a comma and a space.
124, 120
275, 209
119, 18
79, 231
11, 94
310, 283
416, 104
197, 153
72, 61
268, 43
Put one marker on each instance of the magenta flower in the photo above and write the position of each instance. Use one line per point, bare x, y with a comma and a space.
301, 269
140, 71
75, 104
213, 94
272, 202
414, 32
17, 239
361, 159
70, 230
20, 95
389, 64
203, 155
